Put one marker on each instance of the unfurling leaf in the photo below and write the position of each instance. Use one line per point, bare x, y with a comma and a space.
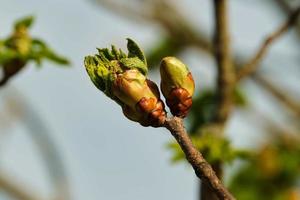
40, 51
25, 22
123, 78
135, 51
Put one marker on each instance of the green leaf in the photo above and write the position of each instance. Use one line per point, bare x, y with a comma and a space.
96, 72
135, 51
24, 22
134, 63
115, 52
107, 54
40, 51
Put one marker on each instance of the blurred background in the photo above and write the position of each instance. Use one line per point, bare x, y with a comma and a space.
61, 138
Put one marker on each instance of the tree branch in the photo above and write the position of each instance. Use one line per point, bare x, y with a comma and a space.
15, 190
287, 9
202, 168
283, 98
225, 80
253, 64
126, 10
226, 72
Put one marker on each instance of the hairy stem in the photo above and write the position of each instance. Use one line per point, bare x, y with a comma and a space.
202, 168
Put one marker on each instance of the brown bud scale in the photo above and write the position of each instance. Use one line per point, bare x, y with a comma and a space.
153, 111
179, 101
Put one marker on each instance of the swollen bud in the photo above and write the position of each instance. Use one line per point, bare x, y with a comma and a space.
123, 78
177, 85
140, 97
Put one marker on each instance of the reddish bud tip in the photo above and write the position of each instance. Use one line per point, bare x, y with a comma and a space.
179, 101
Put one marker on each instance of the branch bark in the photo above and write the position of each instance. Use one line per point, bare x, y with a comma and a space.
15, 190
253, 64
225, 80
226, 71
287, 9
202, 168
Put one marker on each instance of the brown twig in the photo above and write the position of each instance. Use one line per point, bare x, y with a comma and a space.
284, 5
253, 64
126, 10
287, 9
15, 190
202, 168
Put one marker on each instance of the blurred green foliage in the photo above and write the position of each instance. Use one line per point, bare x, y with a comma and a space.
205, 106
215, 149
272, 174
20, 45
20, 48
166, 46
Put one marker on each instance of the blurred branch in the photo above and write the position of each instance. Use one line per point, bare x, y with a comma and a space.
178, 27
162, 12
253, 64
42, 137
17, 104
287, 9
225, 79
226, 72
15, 190
270, 123
202, 42
125, 10
281, 96
284, 5
202, 168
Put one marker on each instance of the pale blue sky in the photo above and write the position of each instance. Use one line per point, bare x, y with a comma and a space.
105, 155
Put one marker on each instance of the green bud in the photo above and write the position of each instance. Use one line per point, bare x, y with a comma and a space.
177, 85
20, 41
174, 74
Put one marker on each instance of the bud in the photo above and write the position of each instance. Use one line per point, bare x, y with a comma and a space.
20, 40
20, 48
122, 78
177, 85
140, 98
15, 50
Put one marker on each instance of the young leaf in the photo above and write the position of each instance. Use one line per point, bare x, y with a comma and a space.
24, 22
135, 51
